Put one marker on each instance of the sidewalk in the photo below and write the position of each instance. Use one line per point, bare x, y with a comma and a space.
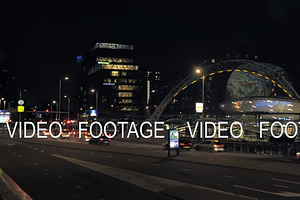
9, 190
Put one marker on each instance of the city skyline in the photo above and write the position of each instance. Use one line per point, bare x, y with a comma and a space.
47, 38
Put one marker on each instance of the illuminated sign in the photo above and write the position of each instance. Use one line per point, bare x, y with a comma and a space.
199, 107
93, 113
174, 139
113, 46
4, 118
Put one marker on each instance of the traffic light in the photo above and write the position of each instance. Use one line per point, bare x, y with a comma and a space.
47, 112
34, 111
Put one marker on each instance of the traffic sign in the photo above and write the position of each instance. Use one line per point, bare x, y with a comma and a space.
21, 109
93, 113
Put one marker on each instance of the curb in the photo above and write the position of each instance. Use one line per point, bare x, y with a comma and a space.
9, 190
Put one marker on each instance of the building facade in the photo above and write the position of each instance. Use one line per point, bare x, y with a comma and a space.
109, 80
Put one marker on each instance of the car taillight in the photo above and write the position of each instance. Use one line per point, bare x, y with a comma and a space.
190, 144
181, 144
109, 139
222, 145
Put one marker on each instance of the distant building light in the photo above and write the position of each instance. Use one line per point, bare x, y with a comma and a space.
79, 59
103, 63
109, 84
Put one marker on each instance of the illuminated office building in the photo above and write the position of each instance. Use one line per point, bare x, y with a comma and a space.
110, 70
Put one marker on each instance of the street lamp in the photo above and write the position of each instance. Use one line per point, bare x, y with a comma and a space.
53, 102
24, 90
59, 96
97, 96
65, 96
198, 71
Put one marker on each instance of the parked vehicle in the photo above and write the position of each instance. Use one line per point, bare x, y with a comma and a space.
210, 145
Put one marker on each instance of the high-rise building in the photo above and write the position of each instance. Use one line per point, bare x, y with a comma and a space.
109, 71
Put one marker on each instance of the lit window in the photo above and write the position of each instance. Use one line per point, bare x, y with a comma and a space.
132, 81
125, 101
107, 80
127, 87
123, 73
125, 94
114, 73
121, 67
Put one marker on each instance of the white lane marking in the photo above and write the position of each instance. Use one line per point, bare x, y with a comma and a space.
42, 151
132, 147
109, 156
78, 187
20, 156
60, 177
130, 160
46, 170
287, 181
14, 153
35, 164
184, 169
35, 149
226, 176
152, 183
29, 146
282, 193
92, 153
282, 186
26, 159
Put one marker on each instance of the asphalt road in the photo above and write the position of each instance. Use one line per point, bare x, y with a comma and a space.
135, 171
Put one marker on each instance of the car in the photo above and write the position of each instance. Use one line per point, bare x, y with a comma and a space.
210, 145
100, 140
65, 134
46, 132
298, 155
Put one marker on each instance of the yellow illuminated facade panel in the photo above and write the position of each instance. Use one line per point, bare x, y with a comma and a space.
114, 73
125, 94
127, 87
121, 67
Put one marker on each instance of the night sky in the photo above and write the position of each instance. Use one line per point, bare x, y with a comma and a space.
174, 35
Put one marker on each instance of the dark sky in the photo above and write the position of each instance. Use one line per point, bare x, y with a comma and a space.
168, 35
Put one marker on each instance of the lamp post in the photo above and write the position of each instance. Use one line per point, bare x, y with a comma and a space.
54, 102
68, 99
198, 71
97, 96
59, 96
